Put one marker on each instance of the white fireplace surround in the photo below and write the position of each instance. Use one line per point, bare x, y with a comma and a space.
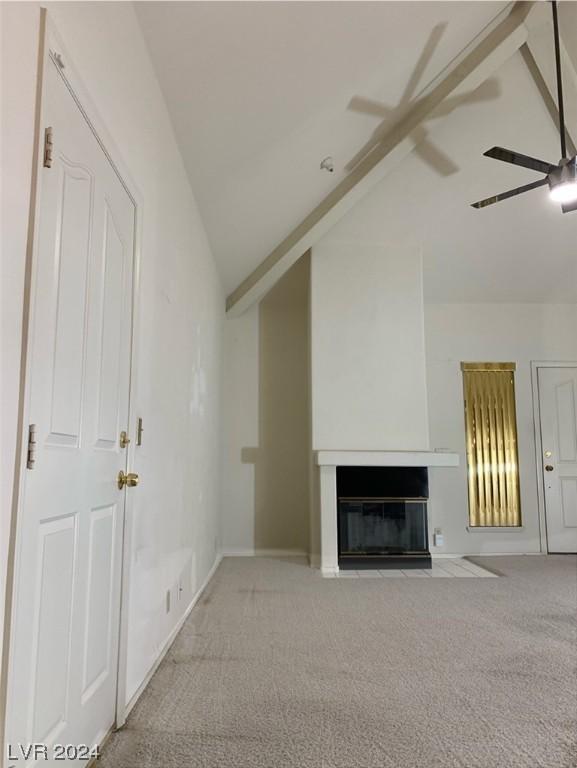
328, 461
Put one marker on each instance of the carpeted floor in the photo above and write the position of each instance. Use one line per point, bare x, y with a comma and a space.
279, 668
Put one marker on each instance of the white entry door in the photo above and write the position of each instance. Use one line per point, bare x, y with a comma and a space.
64, 643
558, 409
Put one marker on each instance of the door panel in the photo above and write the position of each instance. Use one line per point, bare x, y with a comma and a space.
52, 628
558, 409
110, 333
71, 243
62, 682
564, 394
99, 600
569, 501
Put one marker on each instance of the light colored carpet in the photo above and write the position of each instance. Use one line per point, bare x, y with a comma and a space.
279, 668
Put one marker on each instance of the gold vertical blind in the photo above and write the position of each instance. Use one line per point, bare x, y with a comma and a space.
491, 432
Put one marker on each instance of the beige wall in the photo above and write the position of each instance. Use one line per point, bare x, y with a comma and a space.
282, 466
266, 436
239, 434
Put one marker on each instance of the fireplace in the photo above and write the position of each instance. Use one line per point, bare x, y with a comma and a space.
382, 517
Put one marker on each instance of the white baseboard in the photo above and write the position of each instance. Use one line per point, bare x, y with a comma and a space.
170, 639
264, 553
504, 554
483, 554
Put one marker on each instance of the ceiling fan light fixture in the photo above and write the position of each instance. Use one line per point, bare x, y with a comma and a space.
561, 178
564, 193
563, 183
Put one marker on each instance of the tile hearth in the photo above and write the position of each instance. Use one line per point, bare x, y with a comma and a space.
450, 568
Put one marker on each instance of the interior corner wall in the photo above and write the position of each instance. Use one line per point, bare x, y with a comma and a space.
520, 333
266, 436
175, 526
367, 346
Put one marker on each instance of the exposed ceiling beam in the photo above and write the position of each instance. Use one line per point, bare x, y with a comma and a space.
474, 65
538, 54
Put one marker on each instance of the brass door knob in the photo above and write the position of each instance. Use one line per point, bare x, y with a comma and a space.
549, 468
129, 479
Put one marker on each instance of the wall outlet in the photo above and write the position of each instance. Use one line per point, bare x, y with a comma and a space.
168, 600
438, 538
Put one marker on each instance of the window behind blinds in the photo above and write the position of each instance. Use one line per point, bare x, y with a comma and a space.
491, 432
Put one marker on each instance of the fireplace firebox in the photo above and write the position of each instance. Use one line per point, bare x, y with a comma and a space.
382, 517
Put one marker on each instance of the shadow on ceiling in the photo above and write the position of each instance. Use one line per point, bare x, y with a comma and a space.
391, 116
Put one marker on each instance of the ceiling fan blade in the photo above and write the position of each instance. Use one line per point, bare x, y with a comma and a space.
370, 107
421, 65
510, 193
516, 158
568, 207
435, 157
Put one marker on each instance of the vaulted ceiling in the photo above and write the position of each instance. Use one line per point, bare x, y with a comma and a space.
520, 250
260, 92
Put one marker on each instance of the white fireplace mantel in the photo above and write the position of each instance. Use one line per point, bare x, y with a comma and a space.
387, 459
328, 461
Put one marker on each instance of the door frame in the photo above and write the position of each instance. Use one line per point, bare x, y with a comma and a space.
52, 51
535, 365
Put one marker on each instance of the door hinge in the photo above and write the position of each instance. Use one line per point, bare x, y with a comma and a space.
48, 146
139, 431
31, 454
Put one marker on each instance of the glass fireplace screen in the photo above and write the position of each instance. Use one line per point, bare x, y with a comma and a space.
382, 526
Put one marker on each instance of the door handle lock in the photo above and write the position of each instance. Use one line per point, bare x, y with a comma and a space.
549, 468
130, 479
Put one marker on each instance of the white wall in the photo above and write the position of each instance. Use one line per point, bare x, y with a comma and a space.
494, 333
368, 357
18, 60
176, 516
